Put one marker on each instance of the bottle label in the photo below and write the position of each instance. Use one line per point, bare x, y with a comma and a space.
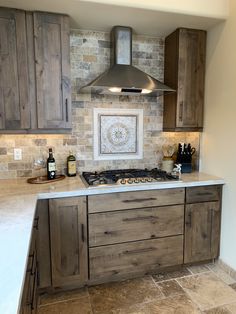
51, 166
71, 167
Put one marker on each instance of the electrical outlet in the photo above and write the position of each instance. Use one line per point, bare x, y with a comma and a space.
17, 154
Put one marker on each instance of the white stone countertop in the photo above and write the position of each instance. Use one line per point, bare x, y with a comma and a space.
17, 209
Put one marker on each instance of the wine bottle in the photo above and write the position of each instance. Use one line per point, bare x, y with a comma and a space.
71, 165
51, 166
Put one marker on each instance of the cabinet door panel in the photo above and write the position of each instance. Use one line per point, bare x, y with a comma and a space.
202, 231
52, 70
191, 73
68, 241
14, 92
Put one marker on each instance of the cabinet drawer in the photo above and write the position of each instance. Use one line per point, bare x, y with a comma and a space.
140, 199
112, 261
203, 194
135, 224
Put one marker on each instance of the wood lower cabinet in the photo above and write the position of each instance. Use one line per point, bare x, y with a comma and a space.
185, 54
29, 297
202, 223
135, 233
68, 238
14, 84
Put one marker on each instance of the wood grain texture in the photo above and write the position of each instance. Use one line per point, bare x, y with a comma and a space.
68, 225
140, 199
43, 245
51, 33
202, 231
203, 193
185, 54
146, 256
137, 224
14, 88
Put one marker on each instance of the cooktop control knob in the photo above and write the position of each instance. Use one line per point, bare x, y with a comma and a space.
143, 180
122, 181
130, 181
136, 180
149, 179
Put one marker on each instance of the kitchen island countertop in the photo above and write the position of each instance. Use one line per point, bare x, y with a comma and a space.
18, 201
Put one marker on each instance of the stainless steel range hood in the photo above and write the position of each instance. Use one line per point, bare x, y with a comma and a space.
122, 78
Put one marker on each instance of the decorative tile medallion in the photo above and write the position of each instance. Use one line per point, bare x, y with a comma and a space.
118, 134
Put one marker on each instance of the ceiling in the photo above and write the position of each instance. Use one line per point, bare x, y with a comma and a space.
99, 16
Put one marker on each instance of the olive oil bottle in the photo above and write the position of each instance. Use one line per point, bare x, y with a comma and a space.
71, 165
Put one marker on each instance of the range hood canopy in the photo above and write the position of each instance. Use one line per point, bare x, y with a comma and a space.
122, 78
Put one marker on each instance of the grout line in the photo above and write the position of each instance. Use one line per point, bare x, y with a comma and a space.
61, 301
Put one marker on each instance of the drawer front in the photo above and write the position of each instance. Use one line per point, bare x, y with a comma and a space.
112, 261
203, 194
136, 224
140, 199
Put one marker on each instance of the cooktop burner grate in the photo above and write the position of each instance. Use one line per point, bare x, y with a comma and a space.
127, 176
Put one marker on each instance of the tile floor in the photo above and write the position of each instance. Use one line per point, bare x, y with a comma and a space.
203, 289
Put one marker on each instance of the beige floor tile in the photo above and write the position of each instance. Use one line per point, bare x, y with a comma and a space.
62, 296
107, 297
81, 306
171, 275
180, 304
198, 269
207, 290
231, 308
170, 288
218, 310
221, 274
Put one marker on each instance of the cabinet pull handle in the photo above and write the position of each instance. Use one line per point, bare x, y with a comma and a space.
140, 200
189, 222
212, 217
31, 270
140, 218
82, 232
181, 105
33, 291
66, 103
36, 223
149, 249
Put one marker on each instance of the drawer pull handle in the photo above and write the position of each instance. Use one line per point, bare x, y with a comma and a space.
189, 222
31, 269
140, 200
36, 223
82, 232
140, 218
149, 249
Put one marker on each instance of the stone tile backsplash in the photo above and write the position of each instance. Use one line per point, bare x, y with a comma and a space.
90, 56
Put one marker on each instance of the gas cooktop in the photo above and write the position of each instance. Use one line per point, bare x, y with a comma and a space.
127, 176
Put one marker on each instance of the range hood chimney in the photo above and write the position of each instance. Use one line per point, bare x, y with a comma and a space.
122, 78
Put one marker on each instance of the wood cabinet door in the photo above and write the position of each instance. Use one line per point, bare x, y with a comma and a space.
191, 74
14, 92
202, 231
52, 35
68, 232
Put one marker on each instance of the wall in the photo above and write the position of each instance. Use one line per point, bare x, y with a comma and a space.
211, 8
90, 56
218, 141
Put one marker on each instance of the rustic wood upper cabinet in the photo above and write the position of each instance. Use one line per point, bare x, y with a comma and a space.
68, 234
52, 55
185, 54
14, 92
